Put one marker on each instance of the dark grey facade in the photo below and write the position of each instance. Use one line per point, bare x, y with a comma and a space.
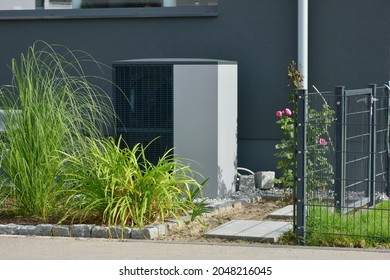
348, 44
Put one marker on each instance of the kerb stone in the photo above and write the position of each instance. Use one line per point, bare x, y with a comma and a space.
26, 230
99, 232
119, 232
44, 230
80, 230
145, 233
62, 231
8, 229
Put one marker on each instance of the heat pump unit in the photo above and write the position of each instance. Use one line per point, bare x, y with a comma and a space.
186, 104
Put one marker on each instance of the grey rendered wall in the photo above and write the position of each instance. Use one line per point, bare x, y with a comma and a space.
258, 34
349, 44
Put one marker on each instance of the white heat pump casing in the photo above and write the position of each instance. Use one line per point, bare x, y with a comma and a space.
204, 114
205, 122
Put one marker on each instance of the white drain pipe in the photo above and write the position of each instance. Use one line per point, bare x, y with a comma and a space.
303, 40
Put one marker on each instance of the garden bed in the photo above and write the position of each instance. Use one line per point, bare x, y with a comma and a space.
238, 206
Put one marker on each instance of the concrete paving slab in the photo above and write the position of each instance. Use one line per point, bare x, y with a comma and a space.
251, 230
283, 213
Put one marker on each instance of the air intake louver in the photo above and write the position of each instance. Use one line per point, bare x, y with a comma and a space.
144, 105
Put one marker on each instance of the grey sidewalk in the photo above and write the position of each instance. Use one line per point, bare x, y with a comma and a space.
48, 248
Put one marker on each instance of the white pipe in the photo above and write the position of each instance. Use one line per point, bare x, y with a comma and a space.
303, 40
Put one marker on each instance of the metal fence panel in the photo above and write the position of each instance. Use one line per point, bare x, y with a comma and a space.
343, 164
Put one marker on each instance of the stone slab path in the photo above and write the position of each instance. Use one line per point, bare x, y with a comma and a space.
283, 213
250, 230
253, 230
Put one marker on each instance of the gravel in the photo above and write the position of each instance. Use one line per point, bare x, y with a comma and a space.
249, 193
350, 195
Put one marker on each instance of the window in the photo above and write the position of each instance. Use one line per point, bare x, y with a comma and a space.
96, 4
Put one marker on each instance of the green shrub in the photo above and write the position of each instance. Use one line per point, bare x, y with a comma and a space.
121, 187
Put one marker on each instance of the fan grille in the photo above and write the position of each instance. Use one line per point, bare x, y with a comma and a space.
144, 106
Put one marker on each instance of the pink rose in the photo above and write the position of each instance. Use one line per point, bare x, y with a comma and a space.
288, 112
322, 142
279, 114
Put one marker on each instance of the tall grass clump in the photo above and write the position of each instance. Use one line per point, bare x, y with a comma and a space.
121, 187
47, 110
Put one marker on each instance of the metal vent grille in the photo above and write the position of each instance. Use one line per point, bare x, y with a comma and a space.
144, 105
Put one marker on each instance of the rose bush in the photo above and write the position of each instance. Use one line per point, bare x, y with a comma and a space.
317, 127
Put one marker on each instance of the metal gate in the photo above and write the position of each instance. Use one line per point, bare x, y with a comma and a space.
342, 170
354, 184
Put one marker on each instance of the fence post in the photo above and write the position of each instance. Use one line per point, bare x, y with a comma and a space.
387, 92
300, 226
339, 198
373, 148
